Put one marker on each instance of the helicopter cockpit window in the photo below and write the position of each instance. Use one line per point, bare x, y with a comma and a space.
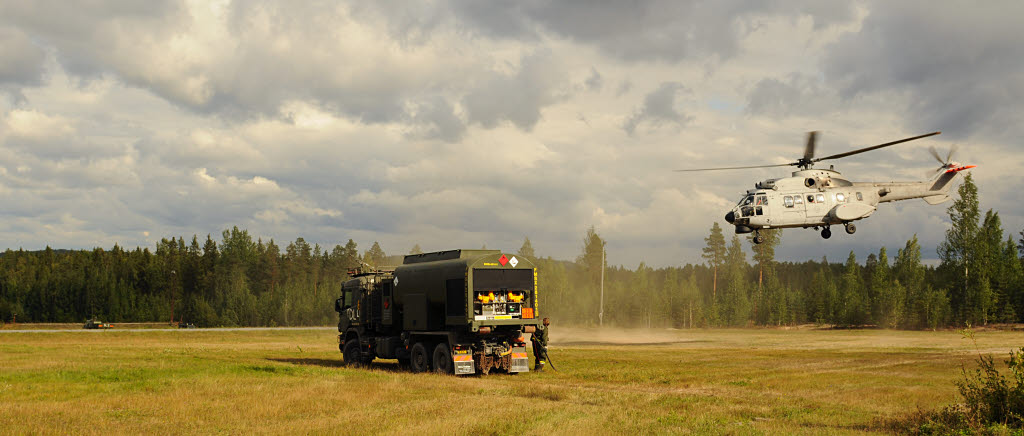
860, 197
747, 200
819, 198
761, 200
788, 201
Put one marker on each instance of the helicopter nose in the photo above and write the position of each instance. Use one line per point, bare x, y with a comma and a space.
730, 217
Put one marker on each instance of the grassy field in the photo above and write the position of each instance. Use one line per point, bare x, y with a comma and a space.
292, 381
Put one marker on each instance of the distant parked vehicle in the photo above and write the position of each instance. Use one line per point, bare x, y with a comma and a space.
186, 325
97, 324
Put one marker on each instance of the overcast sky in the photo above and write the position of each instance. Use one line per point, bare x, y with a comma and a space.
454, 124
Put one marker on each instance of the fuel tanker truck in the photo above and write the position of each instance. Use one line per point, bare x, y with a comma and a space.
454, 312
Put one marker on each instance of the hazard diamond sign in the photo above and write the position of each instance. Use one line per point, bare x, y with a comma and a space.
502, 260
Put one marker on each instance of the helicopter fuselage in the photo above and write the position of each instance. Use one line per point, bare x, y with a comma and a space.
813, 198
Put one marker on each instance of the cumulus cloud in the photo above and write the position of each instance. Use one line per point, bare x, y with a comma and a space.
796, 94
959, 66
659, 107
516, 97
646, 30
22, 62
249, 59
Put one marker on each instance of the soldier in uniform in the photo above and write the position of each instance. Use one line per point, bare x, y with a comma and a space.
540, 346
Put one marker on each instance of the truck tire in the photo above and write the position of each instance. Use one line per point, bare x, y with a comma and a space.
351, 352
443, 359
419, 360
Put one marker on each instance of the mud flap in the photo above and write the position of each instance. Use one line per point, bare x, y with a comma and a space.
463, 362
519, 361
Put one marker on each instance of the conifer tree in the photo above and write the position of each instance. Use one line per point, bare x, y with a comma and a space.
764, 258
960, 257
714, 254
909, 273
526, 250
855, 305
375, 255
735, 301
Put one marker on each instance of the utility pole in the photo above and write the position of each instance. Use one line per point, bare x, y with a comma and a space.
600, 313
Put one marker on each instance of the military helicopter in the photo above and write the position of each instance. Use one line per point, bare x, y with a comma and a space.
817, 198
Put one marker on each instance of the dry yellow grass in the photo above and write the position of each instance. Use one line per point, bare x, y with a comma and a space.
292, 381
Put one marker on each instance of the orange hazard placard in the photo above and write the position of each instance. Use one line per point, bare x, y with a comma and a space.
527, 312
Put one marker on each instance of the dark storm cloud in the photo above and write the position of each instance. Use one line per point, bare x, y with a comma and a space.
21, 60
276, 52
641, 30
659, 107
436, 119
86, 34
796, 94
960, 64
516, 97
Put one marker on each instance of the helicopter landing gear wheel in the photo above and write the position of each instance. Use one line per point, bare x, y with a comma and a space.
851, 228
758, 238
826, 233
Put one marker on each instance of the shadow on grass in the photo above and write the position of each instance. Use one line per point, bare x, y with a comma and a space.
626, 344
389, 366
328, 363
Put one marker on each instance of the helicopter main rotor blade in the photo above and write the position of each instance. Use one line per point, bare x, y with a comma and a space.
733, 168
812, 143
952, 151
874, 147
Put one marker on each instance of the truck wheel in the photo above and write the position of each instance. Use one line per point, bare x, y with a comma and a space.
419, 360
351, 352
443, 359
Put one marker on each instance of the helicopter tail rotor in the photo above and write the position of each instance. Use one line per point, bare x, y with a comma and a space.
946, 165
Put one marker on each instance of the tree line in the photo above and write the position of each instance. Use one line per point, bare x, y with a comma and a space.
236, 282
980, 280
239, 281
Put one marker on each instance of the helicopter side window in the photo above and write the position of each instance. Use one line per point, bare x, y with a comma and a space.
819, 198
798, 200
860, 197
761, 200
840, 197
760, 211
788, 201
